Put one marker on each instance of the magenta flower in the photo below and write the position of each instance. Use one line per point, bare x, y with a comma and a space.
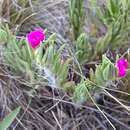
35, 38
122, 66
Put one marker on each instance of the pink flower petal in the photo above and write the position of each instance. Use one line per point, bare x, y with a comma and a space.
122, 66
122, 72
122, 62
35, 38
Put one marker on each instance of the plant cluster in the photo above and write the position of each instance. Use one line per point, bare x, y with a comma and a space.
37, 58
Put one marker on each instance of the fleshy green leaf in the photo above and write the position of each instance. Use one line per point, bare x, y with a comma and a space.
7, 121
